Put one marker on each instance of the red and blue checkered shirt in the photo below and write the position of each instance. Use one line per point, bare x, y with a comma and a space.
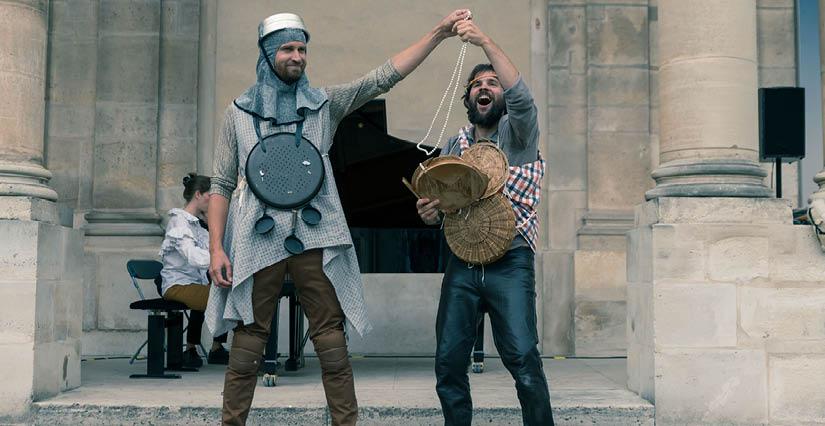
523, 189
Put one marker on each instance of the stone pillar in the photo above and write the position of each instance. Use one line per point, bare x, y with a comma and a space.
723, 288
565, 183
123, 223
23, 73
70, 104
207, 117
40, 261
178, 102
819, 178
618, 144
709, 110
126, 120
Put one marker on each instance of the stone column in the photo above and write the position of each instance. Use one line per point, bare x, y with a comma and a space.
40, 261
709, 110
178, 102
565, 182
126, 120
819, 178
722, 286
22, 82
123, 223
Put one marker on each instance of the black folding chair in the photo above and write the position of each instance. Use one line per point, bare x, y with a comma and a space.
163, 314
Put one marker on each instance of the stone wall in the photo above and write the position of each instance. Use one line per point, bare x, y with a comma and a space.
726, 322
122, 117
593, 63
40, 260
600, 161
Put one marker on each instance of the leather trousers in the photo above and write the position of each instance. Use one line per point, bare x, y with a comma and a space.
507, 291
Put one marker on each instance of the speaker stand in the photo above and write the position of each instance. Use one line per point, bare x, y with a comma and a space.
778, 177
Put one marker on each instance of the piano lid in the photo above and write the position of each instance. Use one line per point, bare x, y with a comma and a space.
368, 165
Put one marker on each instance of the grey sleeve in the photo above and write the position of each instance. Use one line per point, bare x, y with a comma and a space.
522, 116
346, 98
225, 165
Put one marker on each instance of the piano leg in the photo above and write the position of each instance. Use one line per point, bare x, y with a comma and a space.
478, 349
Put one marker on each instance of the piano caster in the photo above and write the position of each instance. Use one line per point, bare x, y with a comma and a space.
478, 367
269, 380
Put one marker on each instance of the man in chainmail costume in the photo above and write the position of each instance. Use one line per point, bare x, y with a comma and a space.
248, 268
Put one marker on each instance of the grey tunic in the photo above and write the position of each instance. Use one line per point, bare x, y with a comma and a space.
250, 252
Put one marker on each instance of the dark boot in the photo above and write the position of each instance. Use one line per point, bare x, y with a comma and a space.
192, 359
218, 356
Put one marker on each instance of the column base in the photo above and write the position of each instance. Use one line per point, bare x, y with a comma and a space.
728, 177
600, 280
27, 180
41, 309
123, 223
722, 293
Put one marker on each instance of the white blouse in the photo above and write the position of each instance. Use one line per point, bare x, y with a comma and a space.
185, 251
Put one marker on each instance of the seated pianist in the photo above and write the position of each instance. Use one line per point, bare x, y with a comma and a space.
185, 257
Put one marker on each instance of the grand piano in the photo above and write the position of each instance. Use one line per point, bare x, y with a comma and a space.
368, 165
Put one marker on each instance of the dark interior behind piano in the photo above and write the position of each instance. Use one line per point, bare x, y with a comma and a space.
368, 164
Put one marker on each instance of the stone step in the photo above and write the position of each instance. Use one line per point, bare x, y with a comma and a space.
76, 414
391, 391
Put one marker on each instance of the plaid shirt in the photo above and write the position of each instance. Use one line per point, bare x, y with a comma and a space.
523, 189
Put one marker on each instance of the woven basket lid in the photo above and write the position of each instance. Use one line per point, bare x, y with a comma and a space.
451, 180
492, 162
482, 232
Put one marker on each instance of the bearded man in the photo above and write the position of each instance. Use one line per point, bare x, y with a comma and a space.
248, 263
501, 110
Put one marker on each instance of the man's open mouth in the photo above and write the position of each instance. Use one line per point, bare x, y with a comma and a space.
484, 100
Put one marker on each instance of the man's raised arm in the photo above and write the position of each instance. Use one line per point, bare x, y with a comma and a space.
410, 58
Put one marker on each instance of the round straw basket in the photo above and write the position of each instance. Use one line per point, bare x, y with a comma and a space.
451, 180
482, 232
490, 160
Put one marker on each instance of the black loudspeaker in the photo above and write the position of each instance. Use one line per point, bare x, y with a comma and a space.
781, 123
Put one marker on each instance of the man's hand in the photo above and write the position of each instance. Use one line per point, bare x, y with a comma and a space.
469, 31
427, 210
447, 25
410, 58
218, 264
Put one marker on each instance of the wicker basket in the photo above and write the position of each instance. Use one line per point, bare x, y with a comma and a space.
451, 180
482, 232
492, 162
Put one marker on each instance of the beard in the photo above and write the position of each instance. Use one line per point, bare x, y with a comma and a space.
290, 74
488, 119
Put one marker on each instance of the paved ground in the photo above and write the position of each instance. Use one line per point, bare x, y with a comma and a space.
391, 391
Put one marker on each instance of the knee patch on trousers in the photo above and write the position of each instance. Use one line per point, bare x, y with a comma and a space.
331, 339
243, 361
335, 359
